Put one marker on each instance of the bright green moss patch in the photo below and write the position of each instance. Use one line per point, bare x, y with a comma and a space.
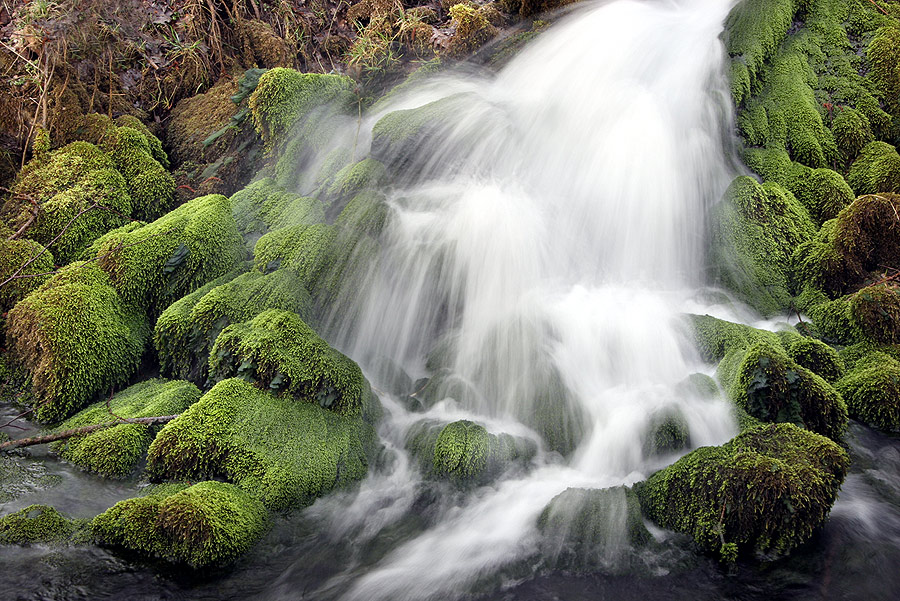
366, 212
766, 490
306, 249
114, 452
77, 338
280, 451
13, 255
156, 264
755, 229
814, 355
186, 331
353, 179
772, 387
35, 524
876, 170
210, 523
588, 529
715, 337
277, 350
872, 391
884, 56
151, 187
876, 312
262, 206
61, 169
852, 133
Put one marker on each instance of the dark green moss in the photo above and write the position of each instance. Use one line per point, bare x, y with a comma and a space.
814, 355
208, 524
14, 254
114, 452
35, 524
852, 133
766, 490
280, 451
875, 311
872, 390
668, 433
821, 264
868, 231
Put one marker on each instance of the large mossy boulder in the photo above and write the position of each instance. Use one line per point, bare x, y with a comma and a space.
77, 337
715, 338
279, 450
207, 524
767, 490
754, 231
115, 452
591, 529
154, 265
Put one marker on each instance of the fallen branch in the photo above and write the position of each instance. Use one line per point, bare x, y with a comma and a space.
35, 440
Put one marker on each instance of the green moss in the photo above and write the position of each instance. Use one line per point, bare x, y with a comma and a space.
875, 310
824, 193
872, 390
814, 355
834, 321
821, 263
876, 170
884, 56
306, 249
284, 96
280, 352
852, 133
366, 212
262, 206
35, 524
668, 433
698, 386
755, 229
772, 387
353, 179
766, 490
584, 529
473, 29
151, 187
114, 452
186, 331
210, 523
13, 255
715, 337
868, 231
153, 143
280, 451
77, 338
156, 264
61, 169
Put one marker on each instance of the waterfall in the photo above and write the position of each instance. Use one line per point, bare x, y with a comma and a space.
539, 253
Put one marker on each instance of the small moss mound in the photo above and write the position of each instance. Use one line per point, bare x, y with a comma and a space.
814, 355
473, 29
875, 310
766, 490
872, 391
280, 451
277, 350
852, 133
868, 231
668, 433
876, 170
77, 338
771, 387
35, 524
715, 337
820, 263
115, 452
208, 524
154, 265
263, 206
308, 250
588, 529
14, 254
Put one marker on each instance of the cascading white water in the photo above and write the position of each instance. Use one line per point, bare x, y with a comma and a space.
542, 254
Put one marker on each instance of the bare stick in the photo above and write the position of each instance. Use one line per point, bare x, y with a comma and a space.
35, 440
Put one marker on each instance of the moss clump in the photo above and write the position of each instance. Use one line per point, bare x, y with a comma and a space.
280, 352
366, 212
306, 249
876, 170
588, 529
821, 264
77, 338
668, 433
13, 255
872, 391
814, 355
353, 179
768, 385
114, 452
61, 169
154, 265
875, 310
464, 453
186, 331
824, 193
715, 337
35, 524
263, 206
473, 29
868, 231
755, 229
884, 56
852, 133
766, 490
208, 524
280, 451
284, 96
151, 187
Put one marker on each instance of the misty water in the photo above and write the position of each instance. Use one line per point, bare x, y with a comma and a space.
544, 246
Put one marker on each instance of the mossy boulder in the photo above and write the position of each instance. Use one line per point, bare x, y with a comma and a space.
755, 229
767, 490
852, 133
305, 249
770, 386
151, 187
872, 391
353, 179
186, 330
14, 255
589, 529
465, 453
277, 350
115, 452
876, 170
814, 355
77, 337
868, 231
35, 524
716, 337
668, 432
263, 206
153, 265
207, 524
822, 263
281, 451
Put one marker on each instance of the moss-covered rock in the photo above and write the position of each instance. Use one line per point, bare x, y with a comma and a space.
768, 385
282, 452
668, 432
154, 265
353, 179
280, 352
207, 524
883, 53
821, 263
151, 187
755, 229
588, 529
14, 255
814, 355
77, 338
715, 337
766, 490
876, 170
115, 452
367, 212
305, 249
875, 311
868, 231
263, 206
872, 391
35, 524
852, 133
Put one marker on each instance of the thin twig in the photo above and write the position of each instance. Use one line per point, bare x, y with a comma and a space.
35, 440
